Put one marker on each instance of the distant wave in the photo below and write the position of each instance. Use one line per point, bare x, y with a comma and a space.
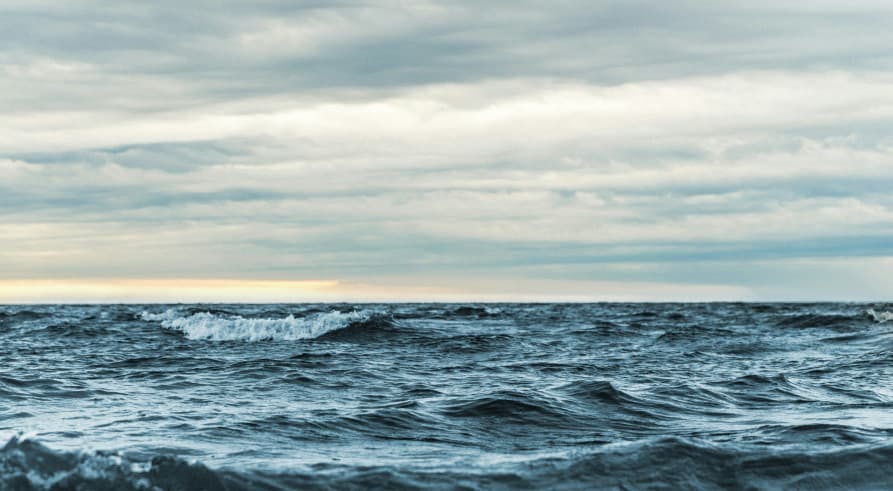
23, 315
818, 321
470, 311
880, 316
213, 327
832, 320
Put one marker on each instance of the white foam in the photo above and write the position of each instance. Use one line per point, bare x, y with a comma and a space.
167, 315
880, 316
237, 328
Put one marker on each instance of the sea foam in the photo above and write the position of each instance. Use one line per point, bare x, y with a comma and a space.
880, 316
212, 327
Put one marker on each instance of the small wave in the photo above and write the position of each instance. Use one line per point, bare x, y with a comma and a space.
76, 329
678, 463
474, 343
207, 326
754, 389
597, 390
806, 321
610, 402
23, 315
880, 317
474, 311
402, 421
512, 408
824, 434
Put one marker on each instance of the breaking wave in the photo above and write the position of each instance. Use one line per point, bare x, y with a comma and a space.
211, 327
881, 316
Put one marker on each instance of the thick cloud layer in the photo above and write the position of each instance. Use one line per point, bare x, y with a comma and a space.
577, 150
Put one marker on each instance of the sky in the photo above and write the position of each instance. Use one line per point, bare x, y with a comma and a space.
392, 150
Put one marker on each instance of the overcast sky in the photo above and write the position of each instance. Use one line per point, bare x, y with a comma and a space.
602, 150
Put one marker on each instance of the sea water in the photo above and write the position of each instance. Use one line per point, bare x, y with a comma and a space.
446, 396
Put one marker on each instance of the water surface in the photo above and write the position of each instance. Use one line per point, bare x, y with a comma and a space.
433, 396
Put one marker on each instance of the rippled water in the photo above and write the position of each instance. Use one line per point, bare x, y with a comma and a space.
594, 396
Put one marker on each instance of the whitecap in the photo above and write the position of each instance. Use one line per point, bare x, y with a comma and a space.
881, 316
212, 327
167, 315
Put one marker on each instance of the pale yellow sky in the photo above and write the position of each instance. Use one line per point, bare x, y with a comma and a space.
182, 290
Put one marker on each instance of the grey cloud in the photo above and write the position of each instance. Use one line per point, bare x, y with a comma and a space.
166, 156
614, 141
599, 42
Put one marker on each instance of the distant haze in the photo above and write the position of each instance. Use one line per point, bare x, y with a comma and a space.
567, 150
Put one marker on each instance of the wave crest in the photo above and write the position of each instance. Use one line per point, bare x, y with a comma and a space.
211, 327
881, 316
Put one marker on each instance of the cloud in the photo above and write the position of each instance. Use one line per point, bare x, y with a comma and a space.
426, 144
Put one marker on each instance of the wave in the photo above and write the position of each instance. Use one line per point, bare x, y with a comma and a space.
23, 315
28, 465
880, 317
833, 320
512, 408
818, 434
211, 327
667, 462
758, 390
474, 311
818, 321
681, 463
597, 391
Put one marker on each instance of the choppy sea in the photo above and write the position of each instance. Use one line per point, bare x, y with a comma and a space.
446, 396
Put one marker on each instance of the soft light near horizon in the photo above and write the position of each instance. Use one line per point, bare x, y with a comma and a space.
179, 290
169, 290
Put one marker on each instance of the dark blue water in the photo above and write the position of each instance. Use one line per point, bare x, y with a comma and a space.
597, 396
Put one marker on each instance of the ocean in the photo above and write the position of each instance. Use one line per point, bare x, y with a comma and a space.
446, 396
